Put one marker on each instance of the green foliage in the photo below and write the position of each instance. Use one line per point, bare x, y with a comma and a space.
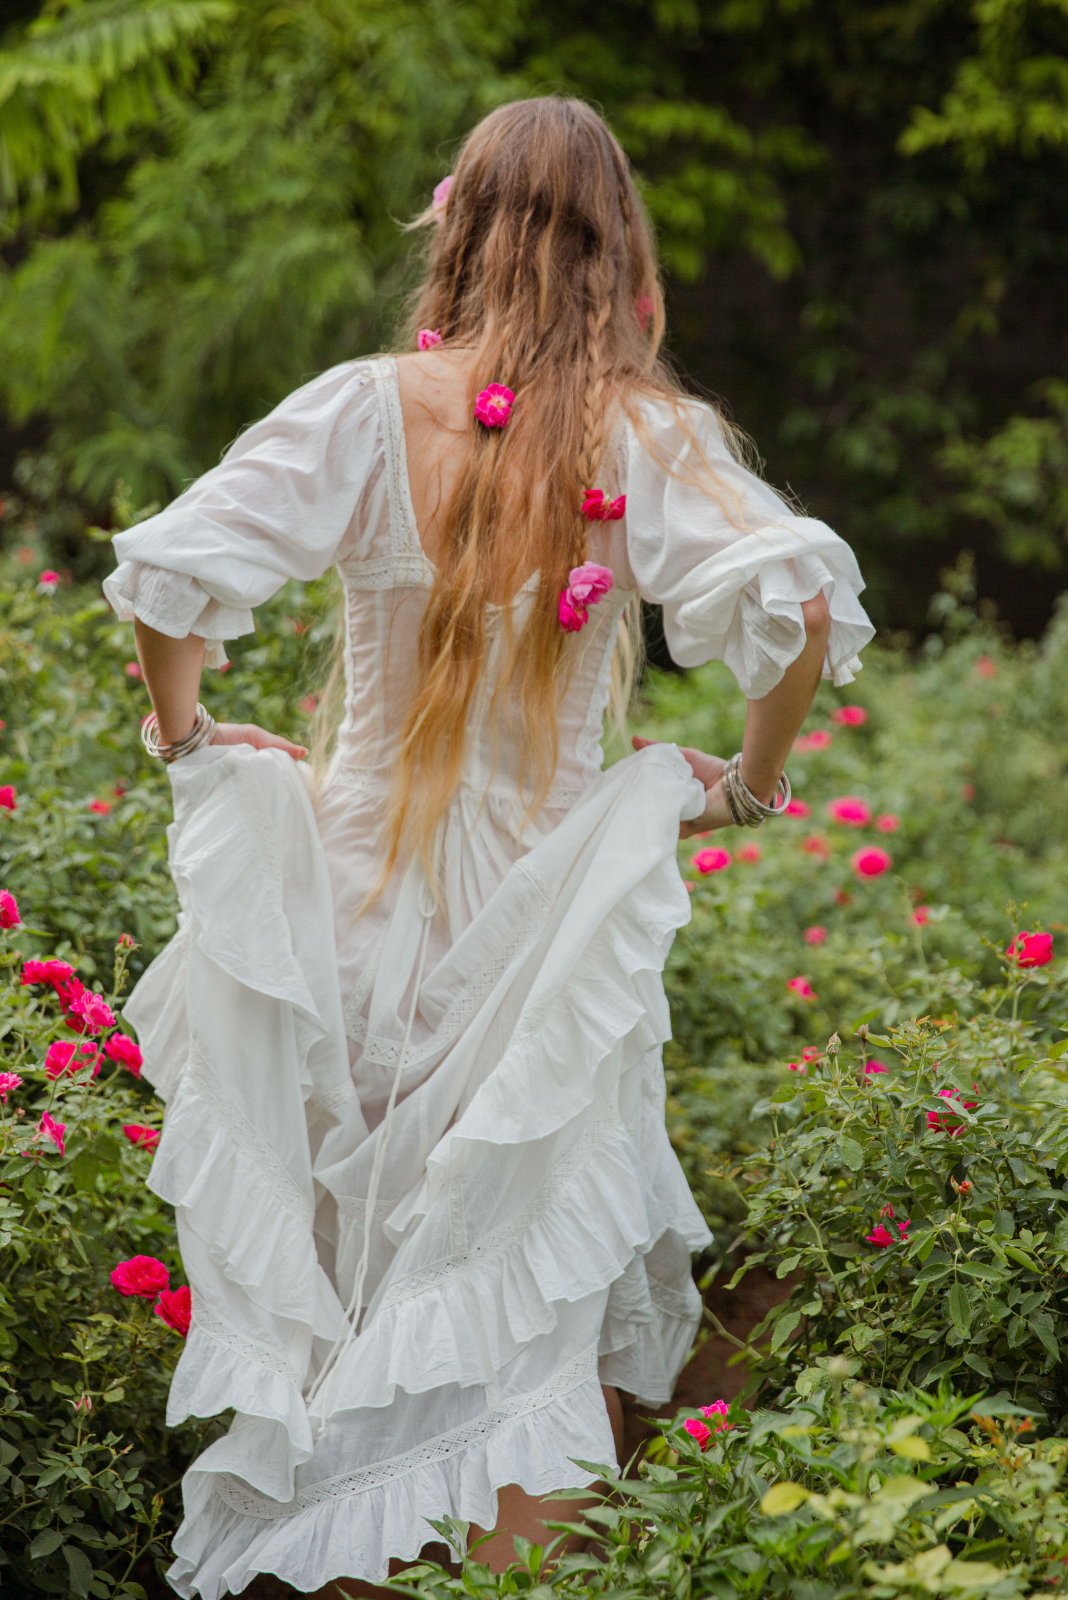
848, 1493
87, 1470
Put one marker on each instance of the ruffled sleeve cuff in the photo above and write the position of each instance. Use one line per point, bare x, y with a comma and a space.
748, 613
175, 604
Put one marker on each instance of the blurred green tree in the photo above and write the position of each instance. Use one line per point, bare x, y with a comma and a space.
860, 210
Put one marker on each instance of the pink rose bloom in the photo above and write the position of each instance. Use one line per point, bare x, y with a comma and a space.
597, 509
60, 1058
802, 988
572, 616
49, 1128
711, 859
93, 1010
175, 1308
133, 670
138, 1134
903, 1228
748, 852
850, 810
48, 582
493, 405
9, 911
441, 195
888, 823
815, 935
53, 972
921, 916
819, 740
798, 808
870, 1070
797, 1066
871, 862
643, 311
947, 1123
984, 667
590, 583
849, 716
9, 1081
700, 1431
817, 845
1030, 949
99, 807
718, 1408
142, 1276
126, 942
7, 797
121, 1049
428, 338
810, 1053
880, 1237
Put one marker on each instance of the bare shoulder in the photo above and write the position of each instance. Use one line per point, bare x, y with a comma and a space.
433, 387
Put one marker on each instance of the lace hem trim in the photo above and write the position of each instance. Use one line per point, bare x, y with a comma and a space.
500, 1239
248, 1503
221, 1332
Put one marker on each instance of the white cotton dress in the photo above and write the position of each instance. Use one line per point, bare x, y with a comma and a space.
531, 1235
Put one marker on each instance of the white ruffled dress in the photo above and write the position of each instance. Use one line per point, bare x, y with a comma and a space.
530, 1233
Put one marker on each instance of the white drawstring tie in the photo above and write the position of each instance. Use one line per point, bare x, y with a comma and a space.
324, 1383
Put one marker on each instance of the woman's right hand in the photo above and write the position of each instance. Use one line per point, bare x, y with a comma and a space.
708, 770
258, 738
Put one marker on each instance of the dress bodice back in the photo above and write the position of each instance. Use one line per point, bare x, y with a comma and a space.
387, 579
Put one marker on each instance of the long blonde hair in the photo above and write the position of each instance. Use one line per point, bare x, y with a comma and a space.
543, 266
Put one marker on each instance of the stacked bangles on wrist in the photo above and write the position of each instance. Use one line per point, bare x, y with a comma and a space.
745, 809
203, 731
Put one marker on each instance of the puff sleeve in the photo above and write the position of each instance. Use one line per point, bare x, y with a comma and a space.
729, 561
282, 503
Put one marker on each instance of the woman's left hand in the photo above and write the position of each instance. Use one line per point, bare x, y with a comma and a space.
258, 738
708, 770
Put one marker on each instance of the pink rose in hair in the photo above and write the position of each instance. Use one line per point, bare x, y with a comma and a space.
493, 405
441, 195
597, 509
590, 583
572, 617
429, 337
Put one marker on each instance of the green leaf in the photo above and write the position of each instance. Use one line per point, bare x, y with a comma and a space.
1004, 1224
787, 1265
850, 1152
44, 1544
1060, 1236
783, 1329
960, 1308
1056, 1051
81, 1569
784, 1094
1042, 1324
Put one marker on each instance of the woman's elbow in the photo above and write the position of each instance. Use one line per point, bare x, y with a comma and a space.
817, 615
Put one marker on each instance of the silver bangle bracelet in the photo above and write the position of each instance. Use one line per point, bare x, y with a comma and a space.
202, 733
745, 809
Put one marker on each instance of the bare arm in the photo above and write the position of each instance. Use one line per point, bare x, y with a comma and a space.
771, 726
172, 669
